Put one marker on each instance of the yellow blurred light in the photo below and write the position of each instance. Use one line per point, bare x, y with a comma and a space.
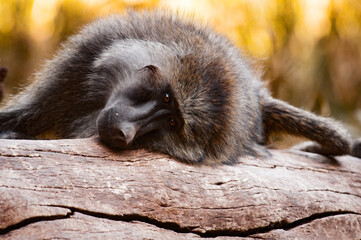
200, 9
229, 17
6, 22
42, 15
261, 43
95, 2
315, 14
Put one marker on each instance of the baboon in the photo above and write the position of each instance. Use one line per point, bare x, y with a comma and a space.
155, 80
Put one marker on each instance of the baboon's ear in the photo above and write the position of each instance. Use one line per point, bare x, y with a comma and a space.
150, 74
152, 69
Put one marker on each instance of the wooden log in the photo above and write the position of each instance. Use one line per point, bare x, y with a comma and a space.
72, 189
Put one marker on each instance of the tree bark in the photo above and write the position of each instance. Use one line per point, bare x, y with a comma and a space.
72, 189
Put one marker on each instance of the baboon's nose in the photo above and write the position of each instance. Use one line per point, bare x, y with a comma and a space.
124, 134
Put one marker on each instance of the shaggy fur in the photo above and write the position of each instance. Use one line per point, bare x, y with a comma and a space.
115, 73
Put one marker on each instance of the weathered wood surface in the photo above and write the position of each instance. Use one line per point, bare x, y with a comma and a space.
71, 189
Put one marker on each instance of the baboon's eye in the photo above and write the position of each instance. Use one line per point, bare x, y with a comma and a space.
173, 123
166, 98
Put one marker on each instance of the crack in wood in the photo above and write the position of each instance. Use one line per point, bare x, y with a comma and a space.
69, 153
47, 151
43, 152
31, 220
332, 191
315, 216
20, 155
175, 227
132, 217
301, 168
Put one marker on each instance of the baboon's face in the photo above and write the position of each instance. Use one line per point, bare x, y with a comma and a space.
143, 109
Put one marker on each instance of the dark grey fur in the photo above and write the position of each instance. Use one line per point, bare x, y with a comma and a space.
356, 148
112, 76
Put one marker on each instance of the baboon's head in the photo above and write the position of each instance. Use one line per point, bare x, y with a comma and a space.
188, 111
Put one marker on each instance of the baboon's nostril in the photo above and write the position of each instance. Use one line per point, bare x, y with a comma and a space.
124, 134
120, 133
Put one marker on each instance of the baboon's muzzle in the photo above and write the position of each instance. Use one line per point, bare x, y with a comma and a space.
121, 124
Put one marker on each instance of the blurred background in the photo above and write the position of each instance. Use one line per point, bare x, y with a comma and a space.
308, 50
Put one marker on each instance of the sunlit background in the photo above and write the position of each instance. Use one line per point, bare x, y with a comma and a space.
309, 50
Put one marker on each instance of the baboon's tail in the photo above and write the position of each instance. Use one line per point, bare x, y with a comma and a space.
331, 137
